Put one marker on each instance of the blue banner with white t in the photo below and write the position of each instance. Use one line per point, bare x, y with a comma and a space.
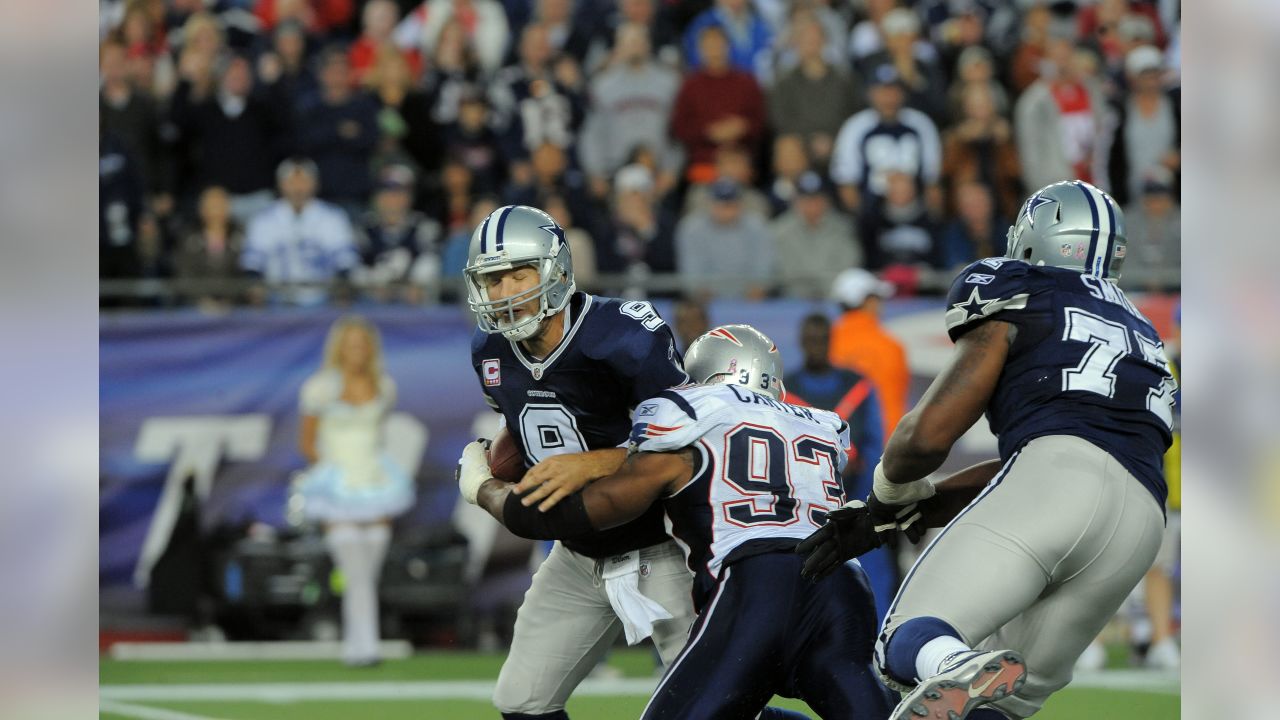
215, 398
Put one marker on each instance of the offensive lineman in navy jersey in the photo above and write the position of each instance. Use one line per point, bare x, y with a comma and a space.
741, 478
564, 369
1076, 386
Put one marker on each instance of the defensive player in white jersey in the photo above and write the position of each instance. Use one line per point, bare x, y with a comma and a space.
741, 477
1075, 384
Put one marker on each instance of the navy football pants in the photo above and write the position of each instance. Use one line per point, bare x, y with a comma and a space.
766, 631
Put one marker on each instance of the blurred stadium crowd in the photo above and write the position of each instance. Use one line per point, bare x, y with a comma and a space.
741, 148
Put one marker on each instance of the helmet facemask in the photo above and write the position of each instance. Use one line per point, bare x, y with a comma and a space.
499, 316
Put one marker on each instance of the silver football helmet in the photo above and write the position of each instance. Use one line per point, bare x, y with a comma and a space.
511, 237
1071, 225
738, 354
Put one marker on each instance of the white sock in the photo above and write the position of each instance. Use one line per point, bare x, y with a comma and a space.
929, 659
354, 557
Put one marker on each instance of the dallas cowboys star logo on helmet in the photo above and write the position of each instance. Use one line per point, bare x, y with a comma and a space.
556, 231
1033, 204
974, 306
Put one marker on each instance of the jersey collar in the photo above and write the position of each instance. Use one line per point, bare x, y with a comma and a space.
574, 314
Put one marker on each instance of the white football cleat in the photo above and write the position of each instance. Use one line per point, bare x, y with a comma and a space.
970, 681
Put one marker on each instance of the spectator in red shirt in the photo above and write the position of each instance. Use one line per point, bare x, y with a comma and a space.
1060, 123
378, 20
716, 106
319, 17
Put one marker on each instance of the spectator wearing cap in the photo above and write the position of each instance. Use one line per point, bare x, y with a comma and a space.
1153, 226
747, 35
980, 148
725, 251
884, 138
233, 136
812, 99
299, 238
859, 343
483, 22
630, 105
812, 241
1060, 123
640, 237
717, 106
1148, 130
736, 164
790, 162
920, 74
977, 230
399, 246
338, 129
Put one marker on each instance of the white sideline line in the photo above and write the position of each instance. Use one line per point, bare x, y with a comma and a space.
141, 712
1164, 683
274, 650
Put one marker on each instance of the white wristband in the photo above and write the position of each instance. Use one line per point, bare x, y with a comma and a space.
891, 493
473, 470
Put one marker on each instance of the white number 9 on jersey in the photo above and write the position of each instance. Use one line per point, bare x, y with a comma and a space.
644, 312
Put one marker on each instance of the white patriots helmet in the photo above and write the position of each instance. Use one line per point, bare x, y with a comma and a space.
511, 237
739, 355
1071, 225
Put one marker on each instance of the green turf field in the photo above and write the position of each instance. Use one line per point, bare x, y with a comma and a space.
453, 686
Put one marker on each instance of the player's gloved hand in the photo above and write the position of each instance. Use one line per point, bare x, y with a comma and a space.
848, 533
895, 506
473, 469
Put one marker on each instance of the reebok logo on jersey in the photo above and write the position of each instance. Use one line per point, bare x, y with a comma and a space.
491, 371
647, 409
979, 278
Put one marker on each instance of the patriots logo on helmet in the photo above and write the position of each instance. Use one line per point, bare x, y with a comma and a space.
1033, 204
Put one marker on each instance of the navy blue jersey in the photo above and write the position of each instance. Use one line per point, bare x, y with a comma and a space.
614, 354
1085, 363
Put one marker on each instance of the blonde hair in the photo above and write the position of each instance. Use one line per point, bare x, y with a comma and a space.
333, 344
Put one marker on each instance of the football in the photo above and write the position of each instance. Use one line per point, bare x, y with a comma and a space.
506, 462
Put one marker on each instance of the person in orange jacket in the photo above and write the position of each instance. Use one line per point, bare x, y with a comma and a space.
859, 343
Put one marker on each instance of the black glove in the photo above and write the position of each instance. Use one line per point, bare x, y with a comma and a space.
848, 533
888, 518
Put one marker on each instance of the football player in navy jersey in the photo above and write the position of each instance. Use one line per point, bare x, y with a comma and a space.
741, 477
565, 369
1076, 387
